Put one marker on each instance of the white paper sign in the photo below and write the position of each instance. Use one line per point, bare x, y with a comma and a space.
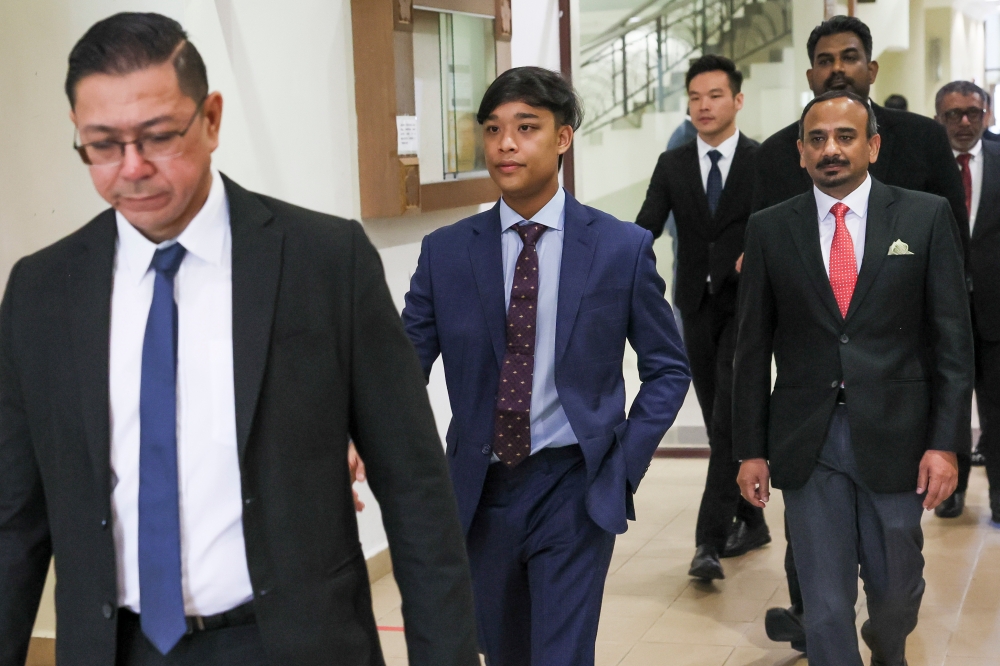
407, 135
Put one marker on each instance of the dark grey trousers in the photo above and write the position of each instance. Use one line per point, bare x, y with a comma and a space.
838, 525
230, 646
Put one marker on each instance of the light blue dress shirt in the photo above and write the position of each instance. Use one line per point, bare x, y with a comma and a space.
549, 425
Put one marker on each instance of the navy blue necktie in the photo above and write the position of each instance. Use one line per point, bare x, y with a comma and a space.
161, 596
714, 189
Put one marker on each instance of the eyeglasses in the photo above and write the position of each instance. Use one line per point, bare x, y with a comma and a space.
156, 146
973, 113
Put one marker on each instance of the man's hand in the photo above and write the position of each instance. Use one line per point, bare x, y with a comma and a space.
357, 467
754, 480
739, 264
938, 476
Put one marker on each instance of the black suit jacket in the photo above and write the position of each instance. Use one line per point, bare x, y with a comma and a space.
984, 252
904, 352
319, 356
915, 155
706, 244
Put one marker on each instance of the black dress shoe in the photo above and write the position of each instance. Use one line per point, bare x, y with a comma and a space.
784, 625
868, 636
951, 507
743, 539
706, 565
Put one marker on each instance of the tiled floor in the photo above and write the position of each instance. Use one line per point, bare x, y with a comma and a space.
655, 615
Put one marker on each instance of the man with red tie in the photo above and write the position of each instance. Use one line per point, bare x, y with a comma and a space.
962, 107
858, 291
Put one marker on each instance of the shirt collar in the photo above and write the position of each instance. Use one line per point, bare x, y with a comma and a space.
551, 215
727, 147
974, 151
857, 200
204, 236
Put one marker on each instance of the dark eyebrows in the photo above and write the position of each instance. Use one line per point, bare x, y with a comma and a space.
144, 125
524, 115
838, 130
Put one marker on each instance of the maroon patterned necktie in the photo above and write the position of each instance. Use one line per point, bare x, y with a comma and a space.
512, 429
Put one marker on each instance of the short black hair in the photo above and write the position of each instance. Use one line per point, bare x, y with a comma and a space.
836, 26
130, 41
962, 88
871, 127
536, 87
896, 101
715, 63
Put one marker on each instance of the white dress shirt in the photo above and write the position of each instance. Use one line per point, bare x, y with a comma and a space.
856, 220
727, 148
976, 170
550, 427
213, 553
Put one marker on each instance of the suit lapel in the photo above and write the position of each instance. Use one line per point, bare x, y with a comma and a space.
579, 244
256, 274
885, 130
486, 255
735, 177
990, 189
91, 276
878, 237
805, 234
693, 177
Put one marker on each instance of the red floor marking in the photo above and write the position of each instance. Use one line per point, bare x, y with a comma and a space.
390, 629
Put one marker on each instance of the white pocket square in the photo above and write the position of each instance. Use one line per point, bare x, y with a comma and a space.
899, 248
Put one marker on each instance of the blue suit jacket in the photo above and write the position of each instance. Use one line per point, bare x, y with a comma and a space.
609, 290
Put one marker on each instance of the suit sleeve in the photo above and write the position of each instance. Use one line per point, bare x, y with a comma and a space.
25, 544
950, 328
418, 312
946, 181
394, 430
658, 203
754, 346
663, 366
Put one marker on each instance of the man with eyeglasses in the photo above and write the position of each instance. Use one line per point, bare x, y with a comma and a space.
179, 381
962, 107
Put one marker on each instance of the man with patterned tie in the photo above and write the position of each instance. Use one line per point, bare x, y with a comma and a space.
858, 290
708, 186
962, 107
179, 380
530, 305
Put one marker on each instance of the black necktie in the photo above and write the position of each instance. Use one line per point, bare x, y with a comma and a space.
714, 189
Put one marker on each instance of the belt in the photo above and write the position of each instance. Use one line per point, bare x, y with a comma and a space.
241, 615
841, 396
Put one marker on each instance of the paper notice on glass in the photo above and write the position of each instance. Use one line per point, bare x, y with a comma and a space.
407, 135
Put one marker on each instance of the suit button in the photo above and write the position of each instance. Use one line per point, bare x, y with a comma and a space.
834, 384
262, 592
104, 524
487, 450
844, 339
248, 501
108, 611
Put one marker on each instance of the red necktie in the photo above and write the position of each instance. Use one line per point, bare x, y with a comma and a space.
963, 165
843, 263
512, 428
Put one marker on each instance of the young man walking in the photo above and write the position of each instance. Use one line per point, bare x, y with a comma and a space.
708, 186
530, 308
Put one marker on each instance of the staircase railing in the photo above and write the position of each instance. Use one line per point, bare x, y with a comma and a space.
638, 63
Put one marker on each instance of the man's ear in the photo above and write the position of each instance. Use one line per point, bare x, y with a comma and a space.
874, 145
739, 101
802, 156
564, 139
872, 71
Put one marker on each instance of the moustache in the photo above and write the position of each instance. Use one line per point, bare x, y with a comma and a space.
832, 161
840, 81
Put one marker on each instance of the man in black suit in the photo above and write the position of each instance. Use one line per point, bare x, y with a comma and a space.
707, 185
961, 108
179, 380
858, 291
914, 154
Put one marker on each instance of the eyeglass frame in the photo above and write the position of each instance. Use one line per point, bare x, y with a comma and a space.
81, 149
950, 118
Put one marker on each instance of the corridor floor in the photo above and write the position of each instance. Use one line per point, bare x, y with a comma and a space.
655, 615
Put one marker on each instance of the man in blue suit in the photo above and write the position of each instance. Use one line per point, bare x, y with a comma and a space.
530, 305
